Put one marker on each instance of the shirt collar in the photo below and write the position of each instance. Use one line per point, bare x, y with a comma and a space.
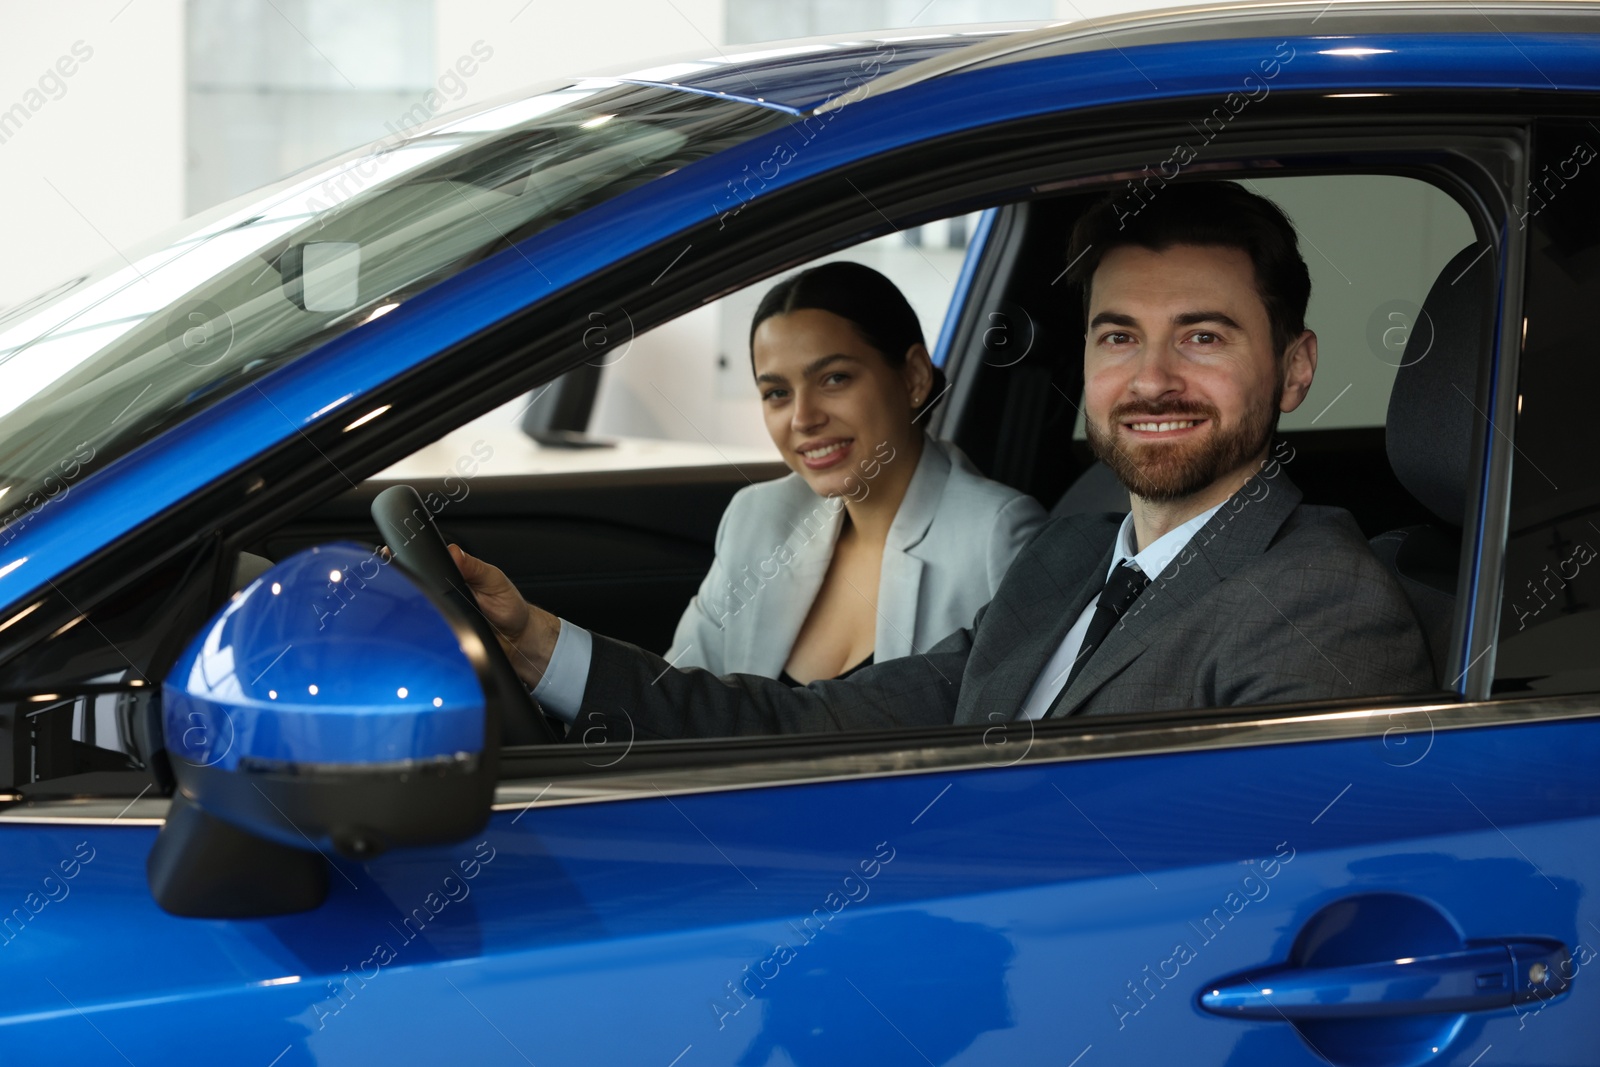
1154, 559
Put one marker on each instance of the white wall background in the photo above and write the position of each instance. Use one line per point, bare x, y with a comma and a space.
545, 40
116, 146
109, 156
98, 165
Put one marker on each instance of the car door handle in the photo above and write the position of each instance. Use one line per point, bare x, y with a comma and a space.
1482, 976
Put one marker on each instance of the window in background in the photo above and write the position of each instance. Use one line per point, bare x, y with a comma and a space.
274, 85
690, 379
683, 393
771, 20
1374, 244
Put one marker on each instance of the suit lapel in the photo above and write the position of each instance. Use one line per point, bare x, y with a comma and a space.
1240, 531
899, 585
900, 577
779, 609
1166, 596
1040, 614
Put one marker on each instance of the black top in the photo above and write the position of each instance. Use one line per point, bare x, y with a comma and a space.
787, 679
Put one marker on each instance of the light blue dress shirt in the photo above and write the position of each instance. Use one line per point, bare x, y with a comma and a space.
561, 689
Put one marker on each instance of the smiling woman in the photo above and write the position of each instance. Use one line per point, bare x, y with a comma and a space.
878, 525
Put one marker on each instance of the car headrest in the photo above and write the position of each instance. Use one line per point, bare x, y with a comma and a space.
1432, 411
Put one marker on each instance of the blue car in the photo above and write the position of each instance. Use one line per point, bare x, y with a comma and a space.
272, 798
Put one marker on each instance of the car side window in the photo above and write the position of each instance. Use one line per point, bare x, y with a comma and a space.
1550, 605
594, 555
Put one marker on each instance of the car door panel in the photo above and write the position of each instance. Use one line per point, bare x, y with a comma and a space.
1050, 901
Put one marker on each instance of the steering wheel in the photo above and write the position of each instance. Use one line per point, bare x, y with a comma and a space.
409, 531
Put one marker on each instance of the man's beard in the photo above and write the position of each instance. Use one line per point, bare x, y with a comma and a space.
1160, 472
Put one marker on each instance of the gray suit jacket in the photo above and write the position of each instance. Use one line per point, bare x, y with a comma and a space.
1271, 601
952, 540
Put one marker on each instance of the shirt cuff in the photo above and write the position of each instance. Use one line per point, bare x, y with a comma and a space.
560, 691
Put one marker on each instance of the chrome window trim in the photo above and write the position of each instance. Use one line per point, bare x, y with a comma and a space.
1085, 739
90, 811
1477, 630
1071, 741
1274, 18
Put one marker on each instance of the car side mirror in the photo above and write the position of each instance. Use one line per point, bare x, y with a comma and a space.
333, 705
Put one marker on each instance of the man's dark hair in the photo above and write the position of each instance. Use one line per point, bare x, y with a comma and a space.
861, 296
1214, 213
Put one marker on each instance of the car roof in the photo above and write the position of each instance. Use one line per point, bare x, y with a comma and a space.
811, 74
1266, 18
800, 74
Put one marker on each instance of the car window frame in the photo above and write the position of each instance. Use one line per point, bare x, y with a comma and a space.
742, 763
1544, 123
291, 478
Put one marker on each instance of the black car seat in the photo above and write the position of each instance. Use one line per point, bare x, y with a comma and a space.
1096, 490
1428, 436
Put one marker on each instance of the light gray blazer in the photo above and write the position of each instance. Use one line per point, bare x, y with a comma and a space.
952, 540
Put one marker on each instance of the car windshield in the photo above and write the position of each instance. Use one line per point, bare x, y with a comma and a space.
94, 366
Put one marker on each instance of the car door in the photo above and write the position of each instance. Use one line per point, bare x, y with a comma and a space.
1069, 891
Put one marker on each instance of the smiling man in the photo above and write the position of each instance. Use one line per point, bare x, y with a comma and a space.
1219, 588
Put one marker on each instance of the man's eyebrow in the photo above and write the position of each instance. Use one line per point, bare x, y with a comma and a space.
1112, 318
1194, 318
807, 371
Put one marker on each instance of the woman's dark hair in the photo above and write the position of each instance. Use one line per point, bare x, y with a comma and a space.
862, 297
1203, 213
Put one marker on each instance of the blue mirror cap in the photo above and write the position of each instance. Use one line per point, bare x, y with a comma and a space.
334, 656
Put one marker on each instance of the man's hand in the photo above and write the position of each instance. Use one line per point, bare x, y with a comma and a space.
528, 634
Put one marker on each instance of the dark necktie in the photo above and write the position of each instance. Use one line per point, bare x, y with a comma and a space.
1122, 589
